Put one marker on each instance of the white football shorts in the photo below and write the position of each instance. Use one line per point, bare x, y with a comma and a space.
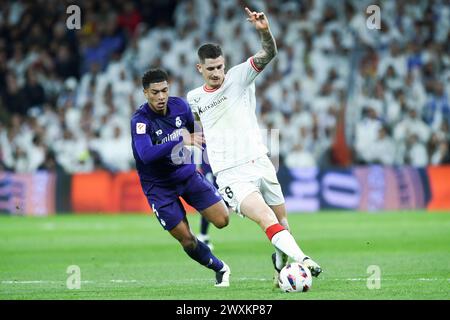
259, 175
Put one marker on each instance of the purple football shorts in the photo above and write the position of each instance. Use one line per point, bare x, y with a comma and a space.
196, 190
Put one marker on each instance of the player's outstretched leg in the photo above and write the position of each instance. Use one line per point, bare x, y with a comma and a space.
284, 241
203, 236
279, 258
254, 207
200, 252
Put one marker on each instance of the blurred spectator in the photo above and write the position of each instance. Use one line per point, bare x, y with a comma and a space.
441, 155
66, 63
114, 152
21, 162
130, 18
13, 97
416, 153
437, 109
298, 157
36, 154
410, 124
367, 132
33, 90
72, 153
383, 149
50, 163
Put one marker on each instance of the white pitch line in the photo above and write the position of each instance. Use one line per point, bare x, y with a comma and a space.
37, 281
27, 282
381, 279
123, 281
195, 280
431, 279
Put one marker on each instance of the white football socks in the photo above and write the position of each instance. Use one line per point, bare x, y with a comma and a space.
285, 242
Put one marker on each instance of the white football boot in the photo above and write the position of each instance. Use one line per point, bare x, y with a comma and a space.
312, 266
223, 276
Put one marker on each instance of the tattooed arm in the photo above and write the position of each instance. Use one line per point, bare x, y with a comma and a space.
269, 47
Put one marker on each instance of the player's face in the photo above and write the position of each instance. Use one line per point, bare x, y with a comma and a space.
213, 71
157, 95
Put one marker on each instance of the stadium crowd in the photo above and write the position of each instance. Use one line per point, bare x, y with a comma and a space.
66, 96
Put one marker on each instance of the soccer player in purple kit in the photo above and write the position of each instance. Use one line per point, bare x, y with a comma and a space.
161, 129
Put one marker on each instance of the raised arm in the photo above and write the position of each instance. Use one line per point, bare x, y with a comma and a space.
269, 46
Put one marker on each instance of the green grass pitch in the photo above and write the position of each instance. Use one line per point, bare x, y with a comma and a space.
132, 257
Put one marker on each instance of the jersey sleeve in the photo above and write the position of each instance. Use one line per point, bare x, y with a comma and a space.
146, 150
245, 72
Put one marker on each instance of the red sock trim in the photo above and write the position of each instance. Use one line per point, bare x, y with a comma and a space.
273, 230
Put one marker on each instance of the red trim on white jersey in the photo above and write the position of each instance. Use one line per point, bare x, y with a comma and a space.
210, 90
254, 65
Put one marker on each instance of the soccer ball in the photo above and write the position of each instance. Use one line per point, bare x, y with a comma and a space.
295, 277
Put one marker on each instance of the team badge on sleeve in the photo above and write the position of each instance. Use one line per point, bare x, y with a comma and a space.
140, 128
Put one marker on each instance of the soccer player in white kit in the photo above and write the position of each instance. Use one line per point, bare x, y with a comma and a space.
238, 157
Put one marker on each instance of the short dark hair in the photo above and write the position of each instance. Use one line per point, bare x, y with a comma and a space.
209, 51
154, 76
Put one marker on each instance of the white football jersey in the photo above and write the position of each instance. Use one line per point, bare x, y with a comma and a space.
228, 118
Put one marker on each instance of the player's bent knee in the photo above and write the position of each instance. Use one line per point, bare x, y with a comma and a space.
217, 214
221, 222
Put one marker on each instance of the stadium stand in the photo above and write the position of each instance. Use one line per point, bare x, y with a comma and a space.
67, 95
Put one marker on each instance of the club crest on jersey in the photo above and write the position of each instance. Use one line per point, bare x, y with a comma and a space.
140, 128
178, 122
